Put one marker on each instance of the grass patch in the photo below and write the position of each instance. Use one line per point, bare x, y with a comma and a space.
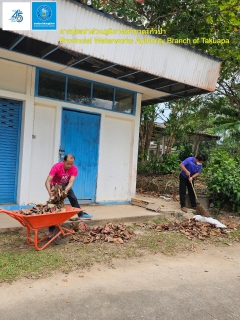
235, 235
33, 264
168, 243
18, 260
16, 263
161, 220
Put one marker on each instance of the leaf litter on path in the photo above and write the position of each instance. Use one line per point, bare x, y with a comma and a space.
114, 233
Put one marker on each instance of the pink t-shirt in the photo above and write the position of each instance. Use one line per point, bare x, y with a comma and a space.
60, 176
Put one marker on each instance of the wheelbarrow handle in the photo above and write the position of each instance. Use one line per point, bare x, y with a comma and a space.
9, 212
5, 211
17, 216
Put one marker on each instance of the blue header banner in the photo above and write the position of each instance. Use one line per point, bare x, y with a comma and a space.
44, 16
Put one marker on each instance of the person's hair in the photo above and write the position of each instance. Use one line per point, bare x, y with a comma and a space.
69, 155
201, 157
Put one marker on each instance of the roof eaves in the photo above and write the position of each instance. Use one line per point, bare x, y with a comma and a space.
125, 21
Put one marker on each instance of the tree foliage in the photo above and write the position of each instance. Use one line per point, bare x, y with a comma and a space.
223, 179
209, 19
217, 112
214, 19
179, 121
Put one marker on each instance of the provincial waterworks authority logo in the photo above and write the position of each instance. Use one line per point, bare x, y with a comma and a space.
44, 13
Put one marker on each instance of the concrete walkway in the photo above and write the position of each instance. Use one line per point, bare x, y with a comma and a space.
102, 214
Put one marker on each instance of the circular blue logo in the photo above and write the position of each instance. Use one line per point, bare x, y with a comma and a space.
44, 12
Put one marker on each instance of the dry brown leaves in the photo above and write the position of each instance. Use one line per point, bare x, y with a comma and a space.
231, 224
54, 204
151, 193
156, 185
114, 233
80, 226
58, 196
192, 229
40, 209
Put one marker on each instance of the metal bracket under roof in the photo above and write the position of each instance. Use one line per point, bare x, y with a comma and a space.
16, 41
48, 51
129, 74
112, 65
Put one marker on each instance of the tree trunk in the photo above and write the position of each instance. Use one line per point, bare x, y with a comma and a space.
158, 152
142, 139
170, 144
145, 134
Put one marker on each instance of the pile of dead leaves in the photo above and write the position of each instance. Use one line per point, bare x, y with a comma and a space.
58, 196
231, 224
40, 209
114, 233
192, 229
54, 204
156, 185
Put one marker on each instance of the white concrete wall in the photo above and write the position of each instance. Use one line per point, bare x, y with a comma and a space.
118, 157
115, 159
13, 76
40, 140
133, 169
17, 83
42, 156
26, 139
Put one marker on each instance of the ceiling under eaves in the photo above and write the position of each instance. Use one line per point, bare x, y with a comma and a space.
46, 51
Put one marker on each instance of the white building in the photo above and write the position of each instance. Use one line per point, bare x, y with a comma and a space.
84, 96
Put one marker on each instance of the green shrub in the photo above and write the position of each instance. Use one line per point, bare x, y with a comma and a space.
185, 150
222, 179
142, 167
169, 164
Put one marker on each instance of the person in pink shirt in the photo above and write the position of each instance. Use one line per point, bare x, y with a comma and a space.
64, 173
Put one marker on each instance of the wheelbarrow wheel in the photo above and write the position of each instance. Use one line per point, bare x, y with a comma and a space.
60, 239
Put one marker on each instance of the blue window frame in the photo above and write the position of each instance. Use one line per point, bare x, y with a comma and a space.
124, 101
102, 96
55, 85
51, 85
79, 91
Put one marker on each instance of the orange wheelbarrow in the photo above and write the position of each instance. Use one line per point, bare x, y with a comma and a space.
34, 223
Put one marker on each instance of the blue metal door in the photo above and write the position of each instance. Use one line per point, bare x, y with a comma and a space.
10, 123
80, 136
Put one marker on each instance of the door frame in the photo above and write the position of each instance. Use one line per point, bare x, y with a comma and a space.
100, 124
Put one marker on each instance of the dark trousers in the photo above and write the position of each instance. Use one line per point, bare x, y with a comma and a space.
72, 198
73, 201
183, 185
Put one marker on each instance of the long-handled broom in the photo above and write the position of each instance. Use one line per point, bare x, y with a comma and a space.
199, 208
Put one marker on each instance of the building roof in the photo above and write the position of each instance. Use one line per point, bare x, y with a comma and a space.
161, 72
191, 136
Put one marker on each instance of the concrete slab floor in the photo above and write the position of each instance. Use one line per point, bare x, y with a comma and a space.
125, 212
100, 212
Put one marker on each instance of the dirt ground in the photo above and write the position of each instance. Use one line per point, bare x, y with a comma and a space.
165, 184
200, 285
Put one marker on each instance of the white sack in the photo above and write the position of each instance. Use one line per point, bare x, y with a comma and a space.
210, 220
